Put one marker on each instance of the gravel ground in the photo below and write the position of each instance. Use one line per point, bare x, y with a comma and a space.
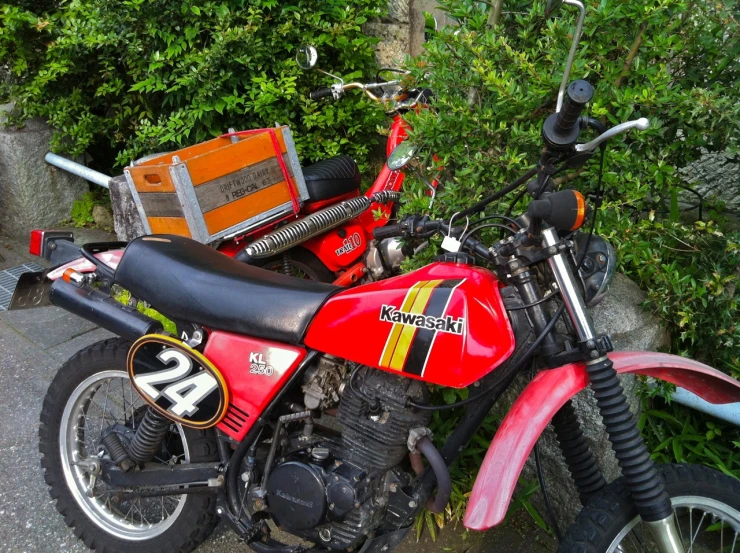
33, 344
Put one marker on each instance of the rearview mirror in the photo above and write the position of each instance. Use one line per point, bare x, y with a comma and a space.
401, 156
306, 57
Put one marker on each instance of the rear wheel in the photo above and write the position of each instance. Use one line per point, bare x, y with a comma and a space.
299, 263
91, 393
705, 501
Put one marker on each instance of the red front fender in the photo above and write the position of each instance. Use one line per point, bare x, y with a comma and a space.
548, 392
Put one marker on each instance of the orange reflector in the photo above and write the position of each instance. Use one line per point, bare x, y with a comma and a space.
73, 277
581, 214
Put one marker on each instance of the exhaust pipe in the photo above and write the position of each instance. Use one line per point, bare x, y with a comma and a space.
104, 311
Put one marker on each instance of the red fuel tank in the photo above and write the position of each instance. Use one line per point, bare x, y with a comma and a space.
444, 324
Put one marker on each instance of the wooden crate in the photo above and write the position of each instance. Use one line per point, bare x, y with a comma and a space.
220, 188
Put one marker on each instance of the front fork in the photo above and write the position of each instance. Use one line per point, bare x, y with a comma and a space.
648, 492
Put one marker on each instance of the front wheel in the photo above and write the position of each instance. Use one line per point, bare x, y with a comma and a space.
705, 501
91, 393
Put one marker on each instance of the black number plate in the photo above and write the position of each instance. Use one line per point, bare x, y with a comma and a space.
177, 381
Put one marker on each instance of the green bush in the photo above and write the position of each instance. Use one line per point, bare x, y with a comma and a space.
690, 273
671, 61
81, 214
123, 79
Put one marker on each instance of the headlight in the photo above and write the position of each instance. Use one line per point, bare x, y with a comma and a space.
597, 270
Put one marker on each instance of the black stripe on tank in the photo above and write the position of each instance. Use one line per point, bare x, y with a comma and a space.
424, 338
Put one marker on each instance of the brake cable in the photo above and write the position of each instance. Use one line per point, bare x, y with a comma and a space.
478, 206
599, 198
518, 366
545, 494
478, 228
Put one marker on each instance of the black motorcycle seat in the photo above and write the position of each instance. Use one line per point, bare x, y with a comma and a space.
190, 282
331, 177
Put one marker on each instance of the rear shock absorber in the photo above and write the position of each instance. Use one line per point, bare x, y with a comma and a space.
149, 435
582, 465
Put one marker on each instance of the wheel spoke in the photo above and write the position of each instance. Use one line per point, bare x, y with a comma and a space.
693, 536
105, 405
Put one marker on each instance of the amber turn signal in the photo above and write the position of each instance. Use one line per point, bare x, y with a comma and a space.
564, 210
73, 277
580, 210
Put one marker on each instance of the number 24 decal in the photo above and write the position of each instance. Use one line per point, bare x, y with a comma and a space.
185, 392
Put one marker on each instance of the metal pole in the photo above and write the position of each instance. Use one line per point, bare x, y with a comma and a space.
78, 169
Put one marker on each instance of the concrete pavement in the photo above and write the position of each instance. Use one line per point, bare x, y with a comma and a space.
33, 344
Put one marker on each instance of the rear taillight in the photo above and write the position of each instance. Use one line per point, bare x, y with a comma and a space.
36, 243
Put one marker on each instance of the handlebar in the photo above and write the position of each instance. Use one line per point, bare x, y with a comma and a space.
320, 93
388, 231
338, 89
579, 93
561, 129
421, 226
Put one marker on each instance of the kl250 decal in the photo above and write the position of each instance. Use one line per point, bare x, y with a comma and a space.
416, 324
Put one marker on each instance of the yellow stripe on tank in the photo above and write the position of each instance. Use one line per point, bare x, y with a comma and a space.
407, 334
390, 344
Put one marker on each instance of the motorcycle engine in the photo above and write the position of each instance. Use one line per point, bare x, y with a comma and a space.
336, 492
384, 258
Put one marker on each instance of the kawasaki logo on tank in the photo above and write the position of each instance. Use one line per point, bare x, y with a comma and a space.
390, 314
416, 325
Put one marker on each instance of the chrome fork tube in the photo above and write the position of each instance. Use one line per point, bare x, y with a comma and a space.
647, 489
666, 535
568, 289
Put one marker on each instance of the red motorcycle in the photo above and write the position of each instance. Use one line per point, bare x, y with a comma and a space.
332, 241
308, 404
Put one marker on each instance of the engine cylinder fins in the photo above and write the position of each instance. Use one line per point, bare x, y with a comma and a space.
317, 223
376, 437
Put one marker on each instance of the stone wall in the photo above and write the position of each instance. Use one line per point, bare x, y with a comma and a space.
716, 177
402, 30
33, 194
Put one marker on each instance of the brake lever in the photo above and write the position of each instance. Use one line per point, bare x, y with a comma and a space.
641, 124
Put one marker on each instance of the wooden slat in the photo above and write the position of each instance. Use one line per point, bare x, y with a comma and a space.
235, 186
143, 186
164, 204
241, 210
237, 156
169, 225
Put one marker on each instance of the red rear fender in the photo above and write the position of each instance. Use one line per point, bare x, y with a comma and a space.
548, 392
82, 265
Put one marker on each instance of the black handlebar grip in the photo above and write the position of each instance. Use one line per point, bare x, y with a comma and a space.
578, 94
388, 231
320, 93
561, 129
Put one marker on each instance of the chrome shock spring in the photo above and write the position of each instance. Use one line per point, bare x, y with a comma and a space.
294, 233
287, 267
149, 435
